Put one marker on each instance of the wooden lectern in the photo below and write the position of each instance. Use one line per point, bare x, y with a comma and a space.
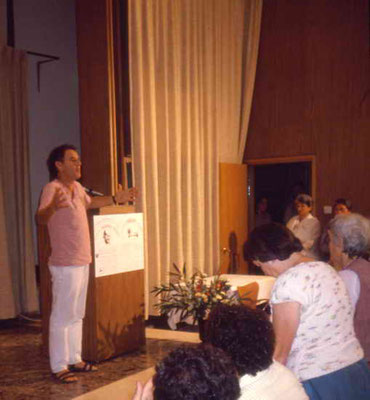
114, 321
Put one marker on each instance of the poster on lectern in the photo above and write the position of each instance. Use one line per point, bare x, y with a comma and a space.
118, 243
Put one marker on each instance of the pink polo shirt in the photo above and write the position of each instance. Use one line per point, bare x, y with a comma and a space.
68, 227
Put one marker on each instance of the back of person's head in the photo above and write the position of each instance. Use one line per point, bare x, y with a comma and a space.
271, 242
304, 199
55, 155
353, 231
192, 373
245, 334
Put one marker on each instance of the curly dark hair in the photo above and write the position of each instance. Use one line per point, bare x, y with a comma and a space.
193, 373
55, 155
245, 334
271, 242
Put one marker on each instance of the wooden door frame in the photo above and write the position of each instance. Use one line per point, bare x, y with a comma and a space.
311, 158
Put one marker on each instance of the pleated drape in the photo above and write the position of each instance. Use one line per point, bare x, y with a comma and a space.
17, 263
188, 60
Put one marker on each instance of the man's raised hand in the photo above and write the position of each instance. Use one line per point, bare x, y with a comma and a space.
123, 196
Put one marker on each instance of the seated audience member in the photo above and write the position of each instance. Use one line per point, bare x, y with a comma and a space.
192, 373
312, 318
349, 240
248, 337
262, 215
305, 226
341, 206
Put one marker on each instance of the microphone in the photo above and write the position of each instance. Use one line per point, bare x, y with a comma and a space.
92, 192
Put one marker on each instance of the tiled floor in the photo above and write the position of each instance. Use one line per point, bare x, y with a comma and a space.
25, 374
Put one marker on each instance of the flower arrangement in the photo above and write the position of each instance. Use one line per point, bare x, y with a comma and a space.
194, 296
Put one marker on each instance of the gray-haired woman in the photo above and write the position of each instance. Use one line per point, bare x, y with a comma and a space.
349, 237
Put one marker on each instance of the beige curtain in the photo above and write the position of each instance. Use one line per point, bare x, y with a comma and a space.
187, 83
238, 57
17, 265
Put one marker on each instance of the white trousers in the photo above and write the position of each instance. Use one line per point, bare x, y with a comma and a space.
69, 289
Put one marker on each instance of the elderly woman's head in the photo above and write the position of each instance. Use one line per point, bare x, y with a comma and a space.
349, 234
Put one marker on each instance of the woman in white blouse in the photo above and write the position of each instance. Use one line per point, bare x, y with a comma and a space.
305, 226
312, 317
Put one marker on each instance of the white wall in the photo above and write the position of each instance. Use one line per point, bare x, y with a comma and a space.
48, 26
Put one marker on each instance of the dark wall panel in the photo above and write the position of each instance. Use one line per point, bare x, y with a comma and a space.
94, 74
312, 93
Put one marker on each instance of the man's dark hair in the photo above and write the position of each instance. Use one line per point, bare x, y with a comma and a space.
55, 155
271, 242
245, 334
305, 199
193, 373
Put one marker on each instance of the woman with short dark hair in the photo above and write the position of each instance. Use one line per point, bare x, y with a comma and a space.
191, 373
305, 226
312, 317
247, 336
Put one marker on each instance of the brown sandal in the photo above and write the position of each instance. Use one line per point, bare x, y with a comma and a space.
85, 367
65, 377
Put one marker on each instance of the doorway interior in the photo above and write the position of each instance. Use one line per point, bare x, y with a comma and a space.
279, 180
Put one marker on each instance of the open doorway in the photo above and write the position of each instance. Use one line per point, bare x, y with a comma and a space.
273, 184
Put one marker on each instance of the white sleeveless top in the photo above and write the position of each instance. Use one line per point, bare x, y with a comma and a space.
325, 340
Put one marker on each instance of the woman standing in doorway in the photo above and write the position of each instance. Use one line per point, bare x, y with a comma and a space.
305, 226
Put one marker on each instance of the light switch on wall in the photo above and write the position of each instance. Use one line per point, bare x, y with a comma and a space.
328, 209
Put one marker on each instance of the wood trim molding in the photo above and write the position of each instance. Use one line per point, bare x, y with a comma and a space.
281, 160
112, 95
292, 159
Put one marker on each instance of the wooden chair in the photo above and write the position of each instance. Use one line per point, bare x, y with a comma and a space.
248, 294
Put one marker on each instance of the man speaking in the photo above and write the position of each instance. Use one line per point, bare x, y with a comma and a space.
62, 208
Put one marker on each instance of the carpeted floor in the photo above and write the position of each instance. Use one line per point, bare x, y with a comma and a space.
25, 374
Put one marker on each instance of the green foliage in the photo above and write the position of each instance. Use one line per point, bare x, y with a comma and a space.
194, 296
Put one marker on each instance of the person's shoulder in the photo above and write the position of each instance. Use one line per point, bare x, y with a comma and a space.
51, 185
347, 274
302, 269
311, 219
281, 369
292, 220
285, 376
315, 264
323, 270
